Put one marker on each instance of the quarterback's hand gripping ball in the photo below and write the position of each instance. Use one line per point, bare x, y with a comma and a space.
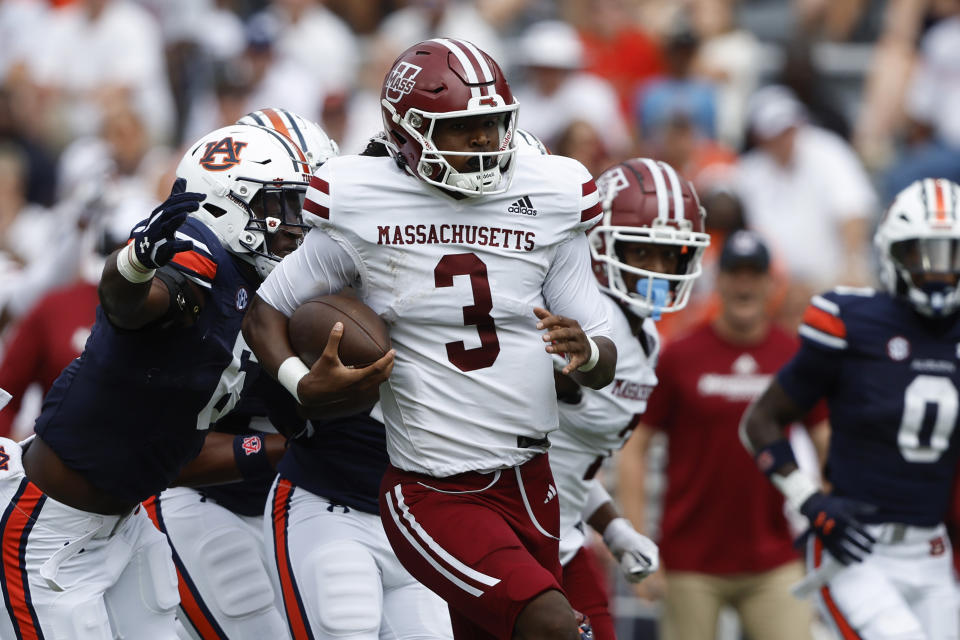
154, 239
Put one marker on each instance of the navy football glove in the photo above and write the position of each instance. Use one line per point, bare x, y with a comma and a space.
154, 239
834, 521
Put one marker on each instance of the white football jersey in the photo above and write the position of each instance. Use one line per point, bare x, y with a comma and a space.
456, 281
601, 422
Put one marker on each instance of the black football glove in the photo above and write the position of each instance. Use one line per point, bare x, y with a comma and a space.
834, 521
154, 239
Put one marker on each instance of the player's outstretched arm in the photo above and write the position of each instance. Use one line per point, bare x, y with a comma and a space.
130, 294
265, 330
592, 362
230, 458
833, 519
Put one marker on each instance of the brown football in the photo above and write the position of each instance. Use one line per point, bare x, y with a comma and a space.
365, 336
365, 340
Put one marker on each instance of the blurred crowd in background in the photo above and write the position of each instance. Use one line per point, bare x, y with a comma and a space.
797, 118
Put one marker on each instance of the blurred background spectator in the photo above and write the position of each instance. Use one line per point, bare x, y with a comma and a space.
706, 380
789, 116
555, 92
805, 191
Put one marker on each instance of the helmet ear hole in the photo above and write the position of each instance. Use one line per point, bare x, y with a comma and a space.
214, 210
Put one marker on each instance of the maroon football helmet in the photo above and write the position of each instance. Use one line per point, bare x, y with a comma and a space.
448, 78
646, 201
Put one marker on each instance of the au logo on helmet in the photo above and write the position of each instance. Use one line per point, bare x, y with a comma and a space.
222, 155
401, 80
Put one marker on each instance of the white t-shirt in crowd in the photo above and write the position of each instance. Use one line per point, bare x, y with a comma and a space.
799, 209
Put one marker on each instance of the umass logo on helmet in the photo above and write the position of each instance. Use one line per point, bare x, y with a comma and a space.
401, 80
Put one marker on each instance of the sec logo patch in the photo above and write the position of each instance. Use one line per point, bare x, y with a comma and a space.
242, 299
898, 348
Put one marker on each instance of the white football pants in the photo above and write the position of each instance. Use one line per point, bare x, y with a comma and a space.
225, 587
903, 590
68, 574
339, 576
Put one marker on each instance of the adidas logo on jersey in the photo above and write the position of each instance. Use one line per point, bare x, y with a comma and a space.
551, 494
523, 206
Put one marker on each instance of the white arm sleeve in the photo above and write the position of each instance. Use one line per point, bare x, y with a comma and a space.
596, 498
570, 288
318, 267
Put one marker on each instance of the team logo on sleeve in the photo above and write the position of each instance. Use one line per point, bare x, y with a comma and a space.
222, 155
401, 80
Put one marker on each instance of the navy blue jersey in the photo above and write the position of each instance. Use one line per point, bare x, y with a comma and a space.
890, 377
263, 399
135, 406
343, 461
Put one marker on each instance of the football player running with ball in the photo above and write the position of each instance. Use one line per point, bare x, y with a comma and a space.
887, 364
165, 360
479, 263
646, 251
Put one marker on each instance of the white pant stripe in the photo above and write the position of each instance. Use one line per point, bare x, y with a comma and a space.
436, 565
526, 503
470, 572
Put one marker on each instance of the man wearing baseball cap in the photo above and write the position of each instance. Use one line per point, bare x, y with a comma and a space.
706, 381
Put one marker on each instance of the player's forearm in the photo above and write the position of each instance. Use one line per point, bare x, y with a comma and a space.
221, 461
265, 330
765, 421
604, 370
602, 516
130, 305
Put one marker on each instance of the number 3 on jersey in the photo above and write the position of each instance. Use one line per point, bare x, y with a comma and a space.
923, 390
477, 314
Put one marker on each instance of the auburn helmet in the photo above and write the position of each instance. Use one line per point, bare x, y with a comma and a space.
919, 236
308, 135
255, 180
646, 201
448, 78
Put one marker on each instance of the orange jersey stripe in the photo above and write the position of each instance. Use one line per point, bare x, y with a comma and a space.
296, 617
14, 574
820, 320
197, 263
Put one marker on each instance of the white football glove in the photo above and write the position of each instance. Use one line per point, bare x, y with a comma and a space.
637, 554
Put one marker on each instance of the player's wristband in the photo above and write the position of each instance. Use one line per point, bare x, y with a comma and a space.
130, 268
250, 454
291, 371
594, 357
774, 456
